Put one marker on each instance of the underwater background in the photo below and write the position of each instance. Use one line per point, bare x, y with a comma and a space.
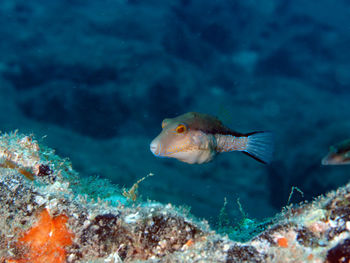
94, 80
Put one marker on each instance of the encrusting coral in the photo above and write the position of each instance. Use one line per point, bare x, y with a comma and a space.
48, 220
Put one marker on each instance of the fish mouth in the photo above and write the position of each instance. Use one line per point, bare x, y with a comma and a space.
325, 161
154, 148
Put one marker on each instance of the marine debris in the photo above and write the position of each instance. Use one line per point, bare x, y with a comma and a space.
45, 219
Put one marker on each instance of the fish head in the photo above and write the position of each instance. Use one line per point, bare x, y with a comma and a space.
336, 156
180, 140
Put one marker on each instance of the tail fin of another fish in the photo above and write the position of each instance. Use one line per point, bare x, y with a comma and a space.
260, 146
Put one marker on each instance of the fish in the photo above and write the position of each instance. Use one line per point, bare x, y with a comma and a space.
338, 154
197, 138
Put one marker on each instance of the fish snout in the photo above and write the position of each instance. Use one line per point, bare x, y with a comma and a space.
154, 147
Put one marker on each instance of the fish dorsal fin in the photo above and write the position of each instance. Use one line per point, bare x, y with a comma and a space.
208, 124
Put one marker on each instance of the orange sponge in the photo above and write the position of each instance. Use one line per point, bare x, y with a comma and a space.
46, 240
282, 242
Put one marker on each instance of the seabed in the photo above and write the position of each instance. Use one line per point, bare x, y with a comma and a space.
47, 216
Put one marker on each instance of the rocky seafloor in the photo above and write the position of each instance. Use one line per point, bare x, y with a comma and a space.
49, 214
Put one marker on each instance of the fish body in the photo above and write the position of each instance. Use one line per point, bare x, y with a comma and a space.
197, 138
338, 154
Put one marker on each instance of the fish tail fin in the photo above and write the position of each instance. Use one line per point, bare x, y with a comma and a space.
260, 146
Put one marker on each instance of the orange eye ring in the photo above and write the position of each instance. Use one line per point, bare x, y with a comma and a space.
181, 128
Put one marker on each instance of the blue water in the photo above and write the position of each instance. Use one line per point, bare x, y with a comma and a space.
96, 78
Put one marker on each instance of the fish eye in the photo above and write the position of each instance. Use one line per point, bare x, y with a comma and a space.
181, 128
